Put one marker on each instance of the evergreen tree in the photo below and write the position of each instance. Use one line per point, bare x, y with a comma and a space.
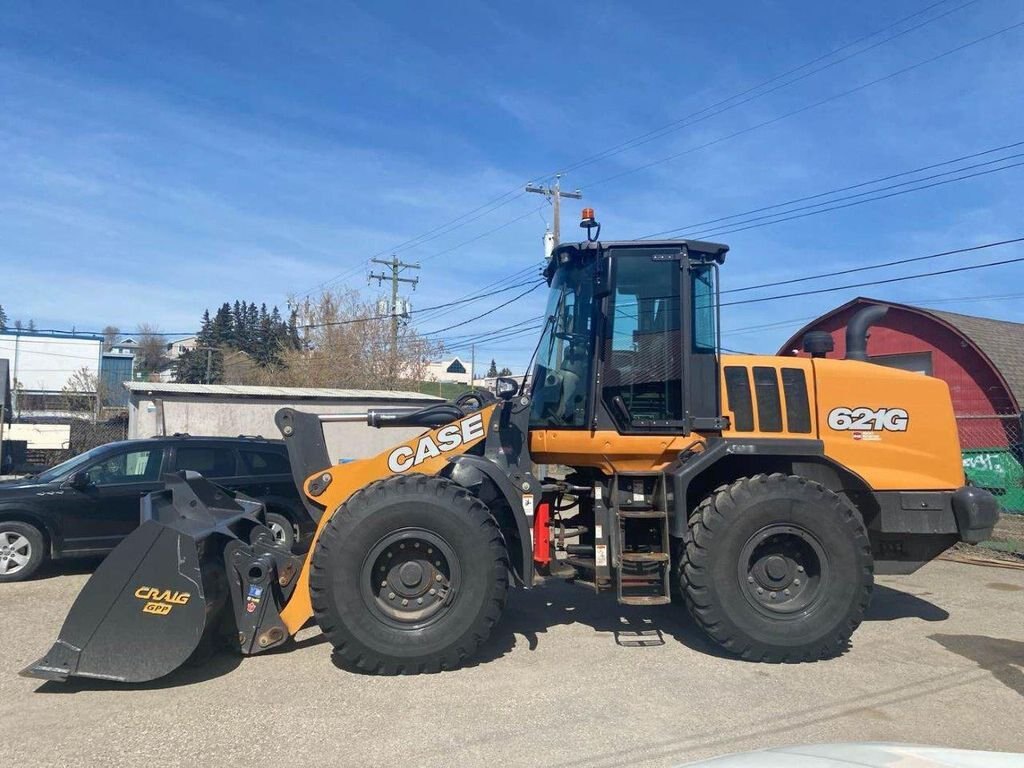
3, 318
493, 370
221, 328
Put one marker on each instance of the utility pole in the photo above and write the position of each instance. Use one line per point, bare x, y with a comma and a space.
396, 266
555, 195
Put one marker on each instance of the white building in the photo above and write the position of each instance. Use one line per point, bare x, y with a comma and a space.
43, 364
453, 371
178, 347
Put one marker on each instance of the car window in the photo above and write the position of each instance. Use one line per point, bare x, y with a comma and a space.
130, 467
265, 463
209, 462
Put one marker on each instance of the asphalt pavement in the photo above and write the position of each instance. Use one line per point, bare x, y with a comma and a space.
568, 679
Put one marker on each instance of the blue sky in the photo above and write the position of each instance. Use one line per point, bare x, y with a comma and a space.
163, 158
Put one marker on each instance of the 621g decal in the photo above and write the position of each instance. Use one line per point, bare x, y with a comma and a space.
868, 419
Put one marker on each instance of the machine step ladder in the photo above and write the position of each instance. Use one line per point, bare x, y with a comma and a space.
642, 547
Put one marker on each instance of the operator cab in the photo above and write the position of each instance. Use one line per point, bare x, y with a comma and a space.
631, 338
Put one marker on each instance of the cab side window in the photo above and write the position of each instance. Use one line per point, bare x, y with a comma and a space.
131, 467
207, 461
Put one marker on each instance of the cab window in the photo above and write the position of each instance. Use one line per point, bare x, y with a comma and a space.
643, 356
131, 467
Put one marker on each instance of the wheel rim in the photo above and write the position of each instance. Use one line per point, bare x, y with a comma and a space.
411, 578
15, 552
280, 534
783, 570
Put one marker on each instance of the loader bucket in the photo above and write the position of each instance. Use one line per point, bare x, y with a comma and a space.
159, 593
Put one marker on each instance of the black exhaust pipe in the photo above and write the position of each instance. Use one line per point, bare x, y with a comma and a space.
857, 331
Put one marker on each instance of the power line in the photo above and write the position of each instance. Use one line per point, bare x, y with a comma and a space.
808, 107
879, 265
690, 227
876, 198
951, 270
349, 321
687, 121
509, 196
536, 285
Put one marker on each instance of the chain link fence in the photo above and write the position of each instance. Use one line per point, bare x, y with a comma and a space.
35, 444
993, 455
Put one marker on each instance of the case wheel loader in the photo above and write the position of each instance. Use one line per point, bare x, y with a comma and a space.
763, 493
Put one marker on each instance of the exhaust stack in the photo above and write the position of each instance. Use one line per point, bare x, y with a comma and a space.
857, 331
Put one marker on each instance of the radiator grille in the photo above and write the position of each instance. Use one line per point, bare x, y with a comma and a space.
767, 398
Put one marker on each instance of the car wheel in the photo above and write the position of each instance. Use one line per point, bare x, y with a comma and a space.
22, 550
282, 528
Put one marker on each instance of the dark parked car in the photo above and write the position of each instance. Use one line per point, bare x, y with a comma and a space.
86, 505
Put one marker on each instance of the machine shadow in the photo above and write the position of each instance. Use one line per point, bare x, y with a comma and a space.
888, 604
530, 614
1002, 657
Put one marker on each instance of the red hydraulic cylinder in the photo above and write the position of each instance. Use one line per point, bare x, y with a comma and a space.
541, 535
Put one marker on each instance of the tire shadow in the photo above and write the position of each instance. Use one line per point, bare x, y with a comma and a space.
530, 613
888, 604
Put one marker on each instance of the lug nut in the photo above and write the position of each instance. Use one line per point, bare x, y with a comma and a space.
419, 601
796, 582
800, 568
384, 583
404, 601
785, 591
760, 591
391, 595
437, 577
771, 595
750, 579
433, 591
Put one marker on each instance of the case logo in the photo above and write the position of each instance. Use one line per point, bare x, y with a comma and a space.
862, 419
405, 457
160, 602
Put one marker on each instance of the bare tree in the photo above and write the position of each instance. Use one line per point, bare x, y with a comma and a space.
151, 354
110, 336
346, 344
82, 391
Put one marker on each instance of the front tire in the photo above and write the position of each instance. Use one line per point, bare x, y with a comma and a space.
22, 550
777, 568
409, 575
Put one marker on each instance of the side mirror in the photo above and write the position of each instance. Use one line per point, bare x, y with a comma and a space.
79, 480
505, 388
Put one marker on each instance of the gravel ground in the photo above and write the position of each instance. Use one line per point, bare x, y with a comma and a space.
569, 679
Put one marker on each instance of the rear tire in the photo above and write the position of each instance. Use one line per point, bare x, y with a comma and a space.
409, 575
22, 550
777, 568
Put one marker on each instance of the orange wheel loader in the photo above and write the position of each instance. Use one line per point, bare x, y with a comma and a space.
763, 493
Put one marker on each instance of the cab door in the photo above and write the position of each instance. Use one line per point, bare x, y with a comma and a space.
97, 515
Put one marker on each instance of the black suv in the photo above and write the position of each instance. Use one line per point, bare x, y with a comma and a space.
87, 504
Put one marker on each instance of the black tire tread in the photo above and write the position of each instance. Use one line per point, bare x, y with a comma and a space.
352, 654
714, 513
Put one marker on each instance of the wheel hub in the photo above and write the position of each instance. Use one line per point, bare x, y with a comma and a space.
410, 578
782, 568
